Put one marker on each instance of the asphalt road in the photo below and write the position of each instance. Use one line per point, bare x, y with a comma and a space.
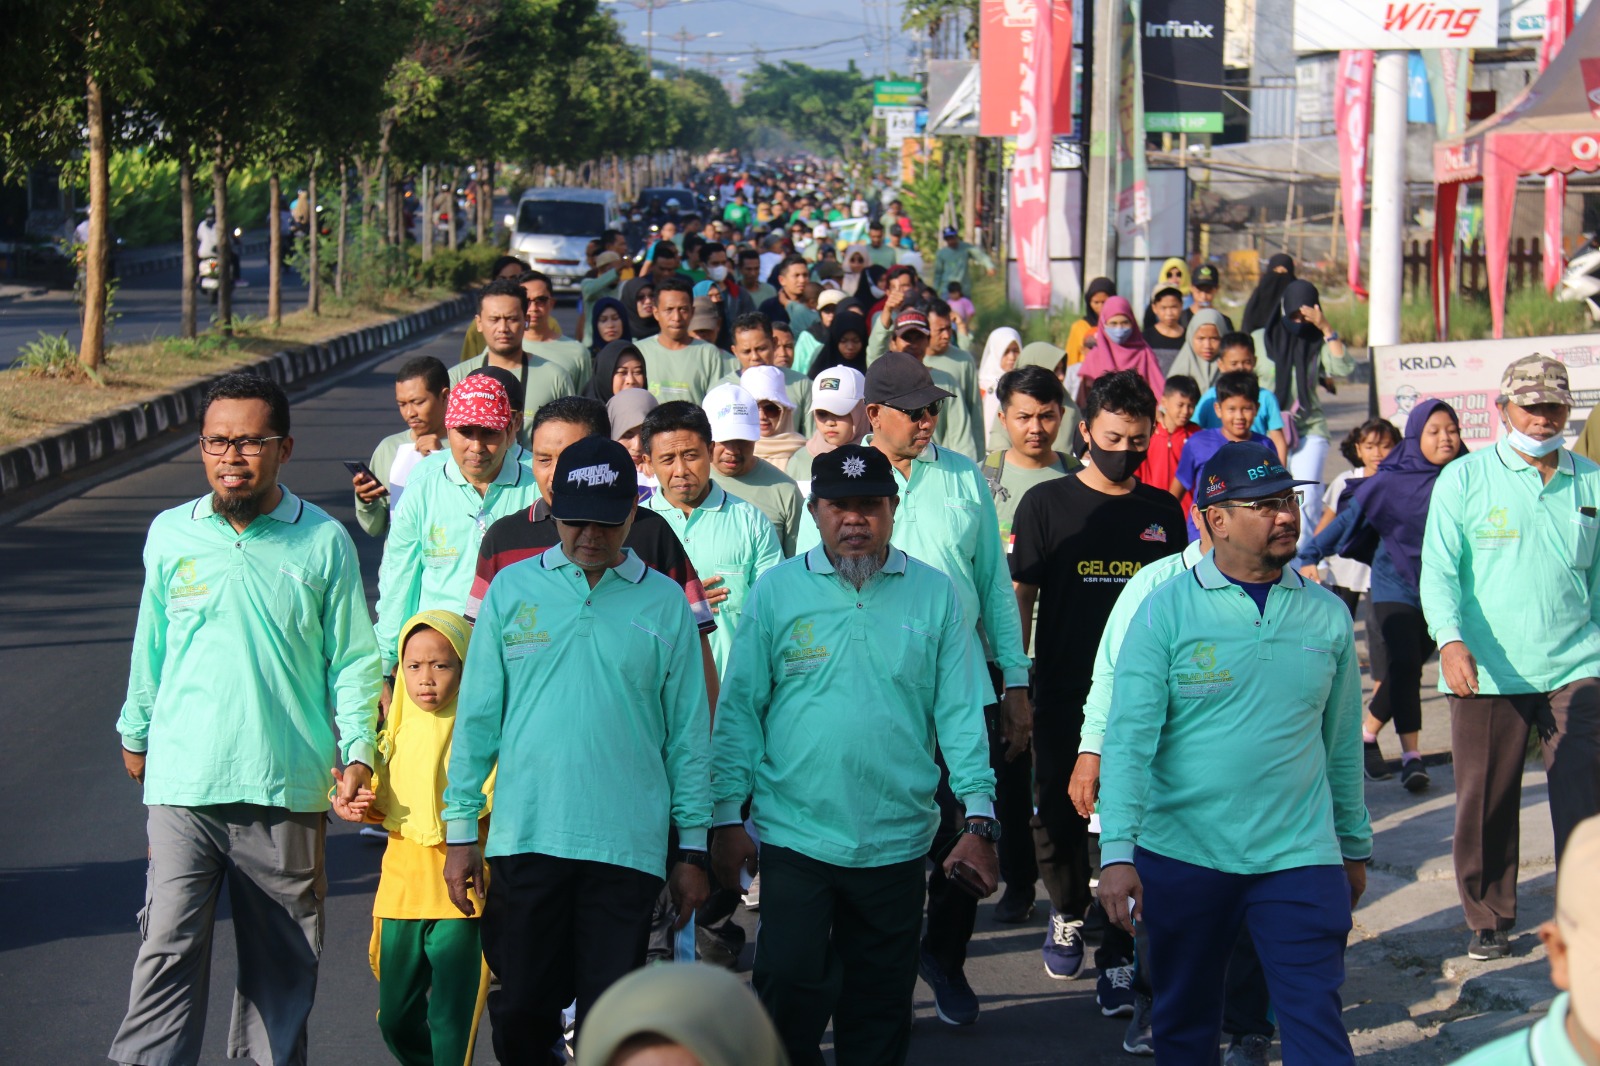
147, 306
71, 878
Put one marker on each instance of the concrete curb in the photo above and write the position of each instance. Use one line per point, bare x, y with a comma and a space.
35, 461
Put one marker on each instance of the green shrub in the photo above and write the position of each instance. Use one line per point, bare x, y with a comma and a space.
51, 356
463, 268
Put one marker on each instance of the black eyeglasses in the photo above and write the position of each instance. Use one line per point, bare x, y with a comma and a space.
249, 447
916, 413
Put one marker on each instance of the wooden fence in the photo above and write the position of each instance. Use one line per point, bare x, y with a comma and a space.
1525, 266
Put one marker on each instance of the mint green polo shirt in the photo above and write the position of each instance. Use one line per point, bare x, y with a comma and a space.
773, 493
1545, 1044
593, 704
947, 519
542, 381
569, 354
432, 550
833, 704
684, 374
243, 641
727, 538
1234, 737
1509, 567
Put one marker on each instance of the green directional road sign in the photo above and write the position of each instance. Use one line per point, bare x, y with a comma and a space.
897, 93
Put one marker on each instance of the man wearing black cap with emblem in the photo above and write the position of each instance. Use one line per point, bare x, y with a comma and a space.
581, 653
1238, 662
853, 663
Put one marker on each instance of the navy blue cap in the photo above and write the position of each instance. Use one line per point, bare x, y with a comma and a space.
595, 481
1242, 470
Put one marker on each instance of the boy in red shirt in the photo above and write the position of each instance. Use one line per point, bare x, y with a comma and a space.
1173, 430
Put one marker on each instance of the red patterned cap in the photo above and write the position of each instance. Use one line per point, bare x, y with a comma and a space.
478, 400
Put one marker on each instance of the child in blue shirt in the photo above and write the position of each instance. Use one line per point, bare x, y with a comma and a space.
1234, 407
1238, 352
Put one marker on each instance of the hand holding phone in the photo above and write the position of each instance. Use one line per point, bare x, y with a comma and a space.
368, 487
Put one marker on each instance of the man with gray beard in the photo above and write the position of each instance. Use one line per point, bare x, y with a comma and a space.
853, 663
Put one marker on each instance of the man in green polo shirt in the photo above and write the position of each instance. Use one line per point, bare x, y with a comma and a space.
542, 337
853, 665
432, 550
678, 365
584, 685
502, 311
252, 624
421, 389
1511, 589
725, 537
1239, 662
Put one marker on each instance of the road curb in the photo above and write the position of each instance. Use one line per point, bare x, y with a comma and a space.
36, 461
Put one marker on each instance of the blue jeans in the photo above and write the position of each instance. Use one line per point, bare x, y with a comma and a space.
1299, 920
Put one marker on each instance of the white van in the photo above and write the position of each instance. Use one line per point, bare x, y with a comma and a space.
553, 226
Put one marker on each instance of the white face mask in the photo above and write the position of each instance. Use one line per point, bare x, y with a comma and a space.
717, 273
1531, 446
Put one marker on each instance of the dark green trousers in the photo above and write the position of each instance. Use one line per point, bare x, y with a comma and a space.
430, 989
839, 942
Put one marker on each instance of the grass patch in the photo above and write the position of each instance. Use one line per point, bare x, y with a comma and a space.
35, 401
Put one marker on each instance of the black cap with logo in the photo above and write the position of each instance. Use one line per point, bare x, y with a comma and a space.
900, 379
595, 481
1206, 277
852, 470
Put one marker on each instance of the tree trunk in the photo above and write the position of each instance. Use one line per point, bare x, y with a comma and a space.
488, 202
96, 257
190, 251
274, 251
481, 202
314, 235
450, 210
219, 200
425, 209
344, 211
383, 187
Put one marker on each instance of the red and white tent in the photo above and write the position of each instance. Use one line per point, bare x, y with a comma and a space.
1552, 127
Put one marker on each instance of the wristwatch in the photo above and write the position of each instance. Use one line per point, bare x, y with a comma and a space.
694, 858
984, 829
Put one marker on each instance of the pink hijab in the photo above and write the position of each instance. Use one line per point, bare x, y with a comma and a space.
1107, 356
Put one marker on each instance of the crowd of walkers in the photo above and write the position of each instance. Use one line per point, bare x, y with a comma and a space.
762, 592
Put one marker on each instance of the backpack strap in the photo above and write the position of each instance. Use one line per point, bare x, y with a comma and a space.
993, 466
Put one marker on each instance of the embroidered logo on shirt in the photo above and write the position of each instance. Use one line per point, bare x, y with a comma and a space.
1206, 679
438, 550
1492, 533
520, 637
1155, 533
802, 634
527, 617
1107, 571
189, 585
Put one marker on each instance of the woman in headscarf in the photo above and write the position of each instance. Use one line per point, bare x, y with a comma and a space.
811, 340
620, 365
775, 410
1174, 275
1385, 515
608, 321
626, 411
832, 429
847, 341
717, 293
1118, 345
1202, 342
1000, 352
1047, 356
639, 304
1082, 332
857, 282
1274, 279
1297, 351
703, 1011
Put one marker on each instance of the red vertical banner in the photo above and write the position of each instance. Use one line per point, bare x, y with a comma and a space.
1352, 123
1001, 30
1557, 24
1030, 173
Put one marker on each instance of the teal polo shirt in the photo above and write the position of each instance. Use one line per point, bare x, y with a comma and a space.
727, 538
243, 641
593, 704
1545, 1044
1509, 567
833, 704
681, 374
1234, 738
432, 550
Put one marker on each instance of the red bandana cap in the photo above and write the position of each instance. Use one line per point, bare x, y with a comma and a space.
478, 401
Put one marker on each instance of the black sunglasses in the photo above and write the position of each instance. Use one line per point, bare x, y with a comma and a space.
916, 413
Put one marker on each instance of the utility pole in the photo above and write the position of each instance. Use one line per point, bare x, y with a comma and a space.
1388, 198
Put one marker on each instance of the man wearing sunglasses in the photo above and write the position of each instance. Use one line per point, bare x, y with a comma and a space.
1238, 662
542, 337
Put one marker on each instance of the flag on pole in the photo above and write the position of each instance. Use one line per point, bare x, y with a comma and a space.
1352, 123
1030, 173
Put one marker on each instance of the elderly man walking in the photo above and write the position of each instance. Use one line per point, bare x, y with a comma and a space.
852, 664
252, 623
1238, 662
1509, 588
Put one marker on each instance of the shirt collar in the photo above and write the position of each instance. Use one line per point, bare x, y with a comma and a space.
930, 454
1514, 461
511, 469
1211, 578
817, 561
631, 569
288, 511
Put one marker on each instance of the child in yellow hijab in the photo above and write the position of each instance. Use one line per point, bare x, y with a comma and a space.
426, 955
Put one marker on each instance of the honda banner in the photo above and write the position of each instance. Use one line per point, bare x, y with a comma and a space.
1009, 29
1030, 173
1352, 121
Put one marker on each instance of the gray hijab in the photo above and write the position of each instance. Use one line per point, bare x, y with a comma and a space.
1188, 361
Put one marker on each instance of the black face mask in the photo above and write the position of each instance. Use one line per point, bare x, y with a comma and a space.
1116, 467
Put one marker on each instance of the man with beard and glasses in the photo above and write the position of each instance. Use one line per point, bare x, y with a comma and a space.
252, 626
853, 665
1076, 541
1238, 663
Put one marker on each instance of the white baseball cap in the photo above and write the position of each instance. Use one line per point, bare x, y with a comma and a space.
732, 412
839, 390
766, 383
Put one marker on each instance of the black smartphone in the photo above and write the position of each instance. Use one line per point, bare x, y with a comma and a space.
966, 878
357, 468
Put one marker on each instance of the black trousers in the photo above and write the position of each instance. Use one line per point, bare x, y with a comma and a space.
1061, 834
1398, 641
841, 942
555, 930
1013, 801
952, 913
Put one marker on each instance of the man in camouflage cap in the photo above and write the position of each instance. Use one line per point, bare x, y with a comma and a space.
1511, 589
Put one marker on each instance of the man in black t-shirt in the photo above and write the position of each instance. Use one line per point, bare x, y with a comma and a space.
1076, 542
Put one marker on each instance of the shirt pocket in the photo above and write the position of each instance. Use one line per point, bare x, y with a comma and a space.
917, 647
1319, 662
961, 518
298, 592
1581, 534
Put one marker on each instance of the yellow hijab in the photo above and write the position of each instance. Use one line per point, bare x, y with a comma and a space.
1182, 285
414, 746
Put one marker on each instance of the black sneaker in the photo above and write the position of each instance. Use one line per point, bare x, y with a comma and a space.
1015, 905
1413, 776
1372, 760
953, 999
1488, 944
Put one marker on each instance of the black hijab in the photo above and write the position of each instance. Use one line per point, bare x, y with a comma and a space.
1295, 348
1269, 290
605, 367
638, 327
1098, 285
847, 318
594, 323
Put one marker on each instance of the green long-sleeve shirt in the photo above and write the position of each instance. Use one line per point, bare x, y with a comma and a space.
1509, 566
593, 704
243, 642
963, 370
832, 705
432, 550
373, 516
947, 519
1206, 685
954, 264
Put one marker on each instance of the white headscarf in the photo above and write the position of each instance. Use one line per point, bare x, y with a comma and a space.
990, 371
